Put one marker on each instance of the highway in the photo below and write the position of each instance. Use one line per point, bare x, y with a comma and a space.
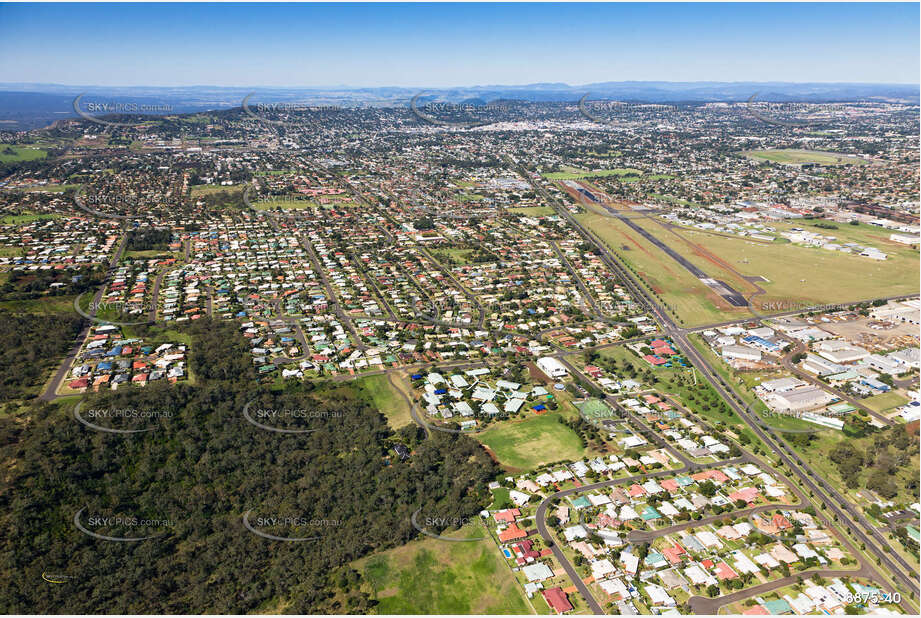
827, 496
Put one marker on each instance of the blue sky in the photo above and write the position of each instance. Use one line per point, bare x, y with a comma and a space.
450, 44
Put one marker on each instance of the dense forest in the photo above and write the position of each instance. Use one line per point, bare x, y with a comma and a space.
29, 344
195, 473
877, 465
29, 285
149, 238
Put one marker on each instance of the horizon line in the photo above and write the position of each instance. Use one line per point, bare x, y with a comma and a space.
442, 87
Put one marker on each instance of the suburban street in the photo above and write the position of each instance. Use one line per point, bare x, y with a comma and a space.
825, 495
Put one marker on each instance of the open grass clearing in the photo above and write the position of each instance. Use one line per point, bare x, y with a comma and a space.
531, 442
431, 576
387, 399
10, 153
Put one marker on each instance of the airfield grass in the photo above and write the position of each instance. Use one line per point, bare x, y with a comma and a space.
845, 232
529, 443
430, 576
794, 273
10, 251
384, 397
798, 156
687, 298
809, 274
10, 153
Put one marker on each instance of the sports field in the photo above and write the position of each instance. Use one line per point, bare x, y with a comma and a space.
794, 156
27, 218
208, 189
526, 444
283, 204
575, 174
430, 576
885, 401
10, 153
532, 211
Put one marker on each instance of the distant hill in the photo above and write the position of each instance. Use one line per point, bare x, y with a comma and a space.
25, 106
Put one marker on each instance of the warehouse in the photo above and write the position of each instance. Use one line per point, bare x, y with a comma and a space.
552, 367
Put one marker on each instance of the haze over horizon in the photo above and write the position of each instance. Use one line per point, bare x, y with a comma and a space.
449, 45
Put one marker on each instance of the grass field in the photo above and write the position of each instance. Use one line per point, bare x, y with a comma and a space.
151, 253
430, 576
845, 232
453, 255
574, 174
283, 204
469, 197
27, 218
809, 274
10, 153
533, 211
51, 188
385, 398
44, 306
796, 156
885, 401
536, 440
209, 189
674, 200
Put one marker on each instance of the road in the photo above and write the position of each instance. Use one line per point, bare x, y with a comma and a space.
825, 495
51, 391
541, 519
